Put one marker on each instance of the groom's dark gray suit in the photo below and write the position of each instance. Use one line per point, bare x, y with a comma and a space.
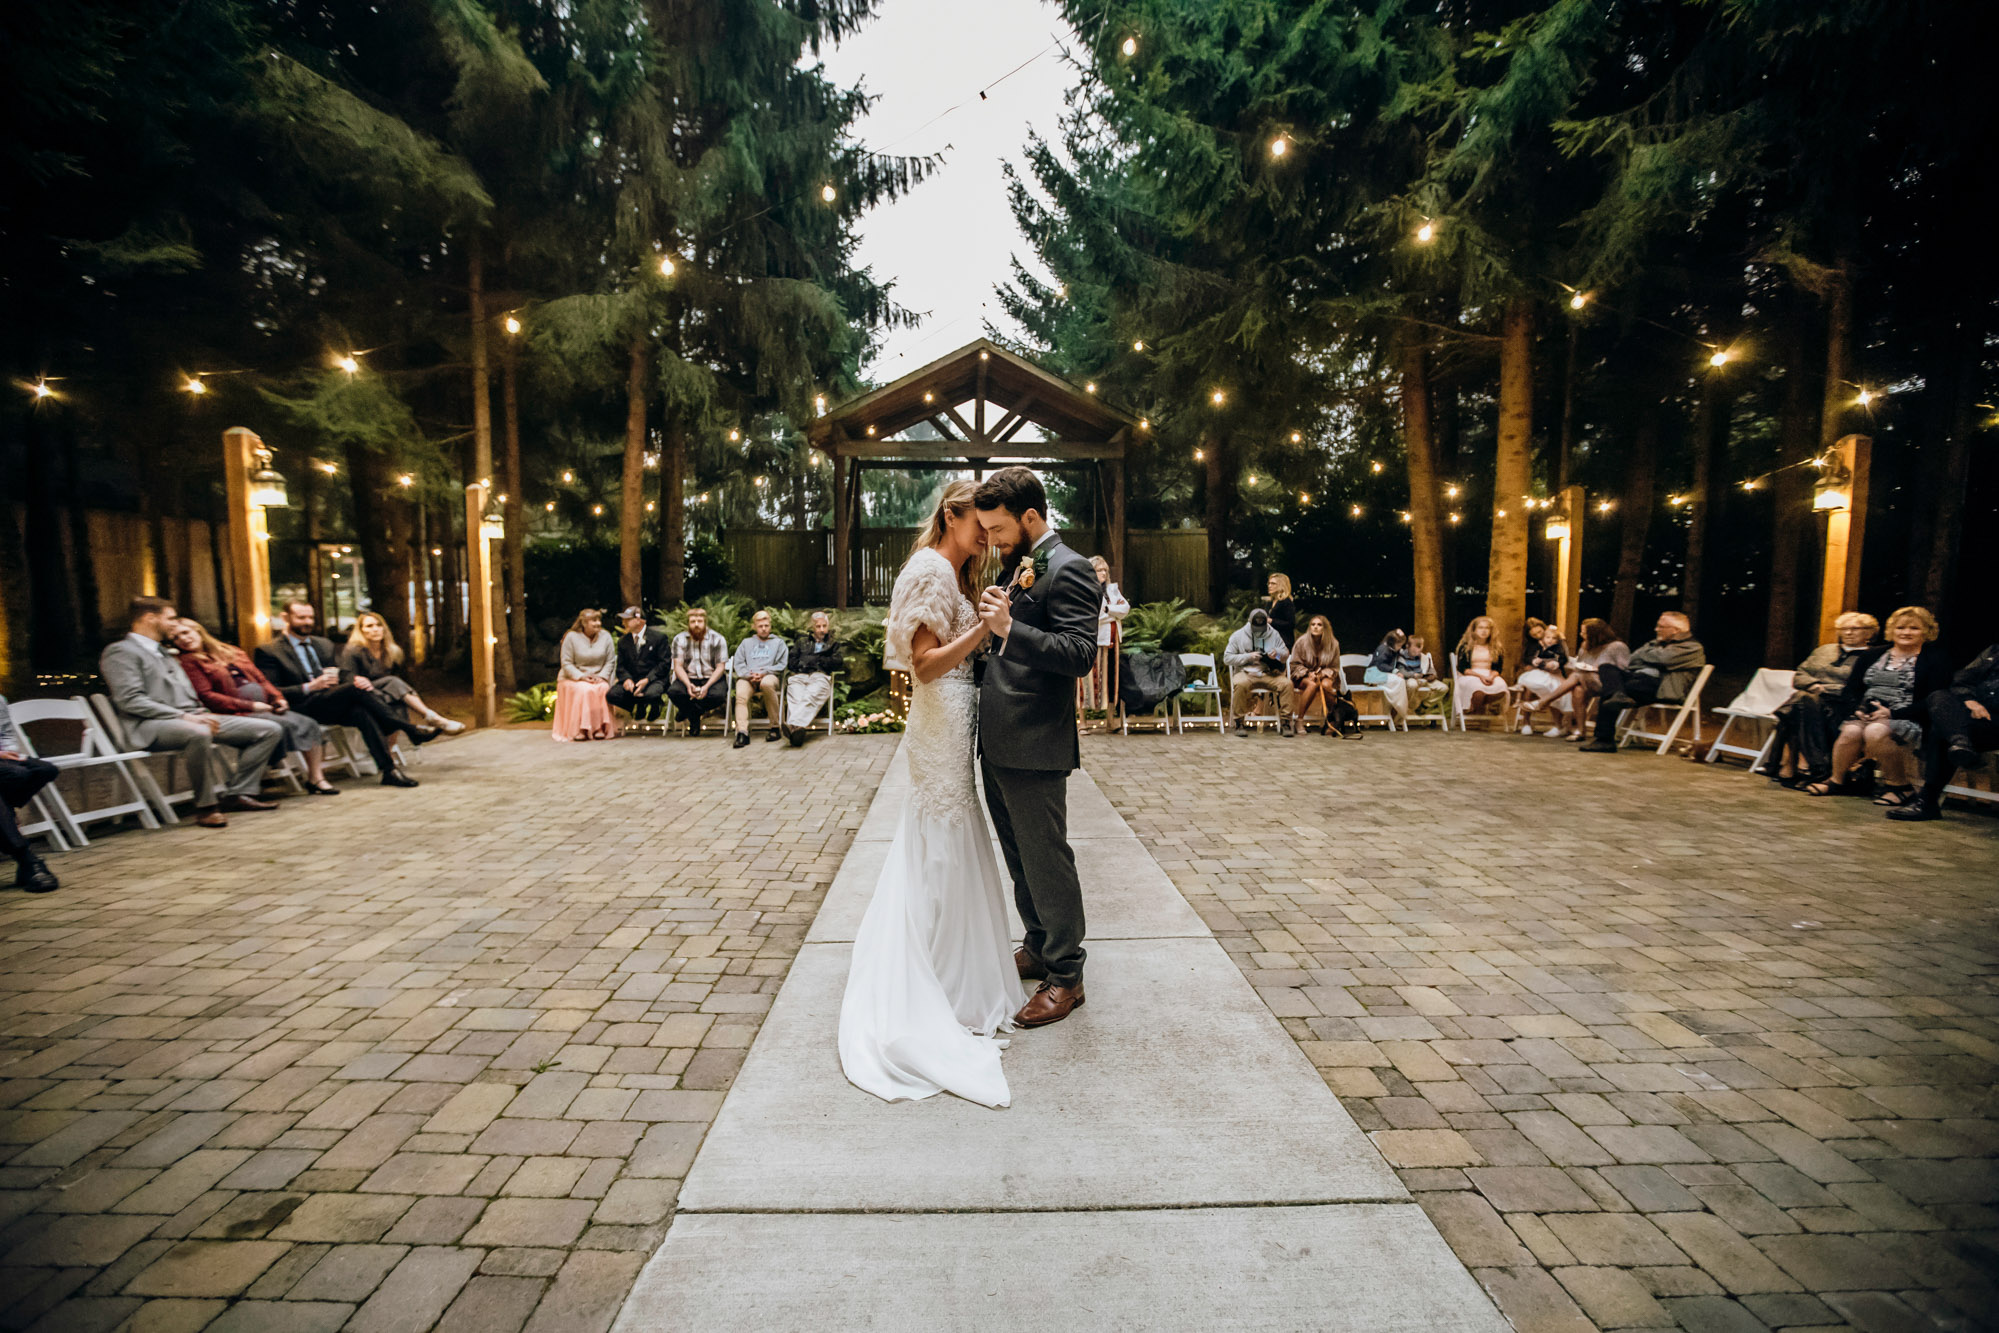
1027, 748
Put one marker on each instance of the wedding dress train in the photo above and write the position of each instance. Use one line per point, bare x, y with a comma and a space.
932, 984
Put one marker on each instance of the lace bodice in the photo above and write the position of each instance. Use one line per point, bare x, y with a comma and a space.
943, 714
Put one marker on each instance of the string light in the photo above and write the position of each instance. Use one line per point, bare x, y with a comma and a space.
1605, 506
1749, 485
1375, 466
1676, 500
929, 397
1130, 47
1218, 398
550, 506
437, 550
1722, 356
406, 481
1579, 300
568, 477
650, 506
1500, 512
871, 430
734, 435
501, 498
1355, 511
1091, 387
1061, 291
596, 509
1456, 517
41, 389
704, 497
652, 460
1450, 492
1866, 397
1426, 233
1252, 479
513, 325
1144, 424
761, 480
1138, 345
985, 356
666, 266
1200, 454
828, 193
195, 386
1304, 497
1405, 516
819, 405
328, 468
1296, 437
1279, 146
349, 363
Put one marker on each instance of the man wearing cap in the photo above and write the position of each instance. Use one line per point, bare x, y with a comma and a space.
640, 682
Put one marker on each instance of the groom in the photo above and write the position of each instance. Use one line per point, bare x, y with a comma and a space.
1043, 616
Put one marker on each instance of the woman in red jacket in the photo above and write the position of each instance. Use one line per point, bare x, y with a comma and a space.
227, 681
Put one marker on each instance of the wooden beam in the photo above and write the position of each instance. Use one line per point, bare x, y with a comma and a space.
979, 403
841, 536
938, 424
1114, 502
1569, 565
1845, 531
1052, 450
249, 540
978, 434
479, 597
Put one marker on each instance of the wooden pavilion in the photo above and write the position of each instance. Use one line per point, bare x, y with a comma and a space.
981, 399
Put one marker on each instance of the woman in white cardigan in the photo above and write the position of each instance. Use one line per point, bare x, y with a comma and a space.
1099, 688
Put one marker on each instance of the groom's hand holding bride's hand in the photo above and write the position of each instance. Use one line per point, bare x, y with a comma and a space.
996, 609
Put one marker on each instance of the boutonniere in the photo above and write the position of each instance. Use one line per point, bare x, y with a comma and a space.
1031, 570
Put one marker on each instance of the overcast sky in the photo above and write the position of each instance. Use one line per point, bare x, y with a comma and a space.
947, 244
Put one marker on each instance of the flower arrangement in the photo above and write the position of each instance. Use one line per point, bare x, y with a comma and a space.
867, 717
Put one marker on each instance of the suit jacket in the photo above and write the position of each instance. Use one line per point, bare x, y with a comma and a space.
1027, 697
216, 688
642, 657
147, 689
280, 661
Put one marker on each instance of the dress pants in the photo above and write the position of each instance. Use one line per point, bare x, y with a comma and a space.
767, 687
805, 693
1243, 682
255, 739
1643, 689
1030, 811
693, 706
20, 779
1951, 723
346, 706
643, 703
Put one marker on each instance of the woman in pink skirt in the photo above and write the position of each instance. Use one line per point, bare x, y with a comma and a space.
589, 657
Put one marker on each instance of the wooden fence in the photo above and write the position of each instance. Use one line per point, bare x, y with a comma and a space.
796, 568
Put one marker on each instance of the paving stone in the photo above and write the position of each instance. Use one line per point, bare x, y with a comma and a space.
1714, 1314
347, 1273
531, 1222
1723, 1252
435, 1221
417, 1292
639, 1202
282, 1317
1613, 1298
343, 1217
207, 1268
173, 1316
587, 1292
1543, 1189
86, 1241
1599, 1239
490, 1304
1533, 1301
1835, 1263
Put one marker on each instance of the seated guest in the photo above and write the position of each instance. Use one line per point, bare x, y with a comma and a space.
758, 664
583, 685
640, 678
1419, 674
1479, 660
306, 670
1960, 730
227, 681
813, 661
1256, 657
1542, 679
699, 656
161, 712
20, 778
1881, 710
1314, 668
1659, 673
1597, 644
1384, 668
373, 655
1805, 722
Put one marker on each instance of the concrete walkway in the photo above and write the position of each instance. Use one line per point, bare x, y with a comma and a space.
1171, 1160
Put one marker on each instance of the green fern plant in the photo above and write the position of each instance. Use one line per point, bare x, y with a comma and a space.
1161, 627
536, 703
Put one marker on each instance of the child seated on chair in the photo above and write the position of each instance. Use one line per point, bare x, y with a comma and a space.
1479, 663
1541, 683
1419, 672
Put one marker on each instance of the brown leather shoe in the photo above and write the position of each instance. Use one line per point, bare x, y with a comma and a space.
1050, 1004
247, 803
1029, 969
210, 818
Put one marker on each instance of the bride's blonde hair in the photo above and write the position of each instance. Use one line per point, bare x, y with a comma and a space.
955, 502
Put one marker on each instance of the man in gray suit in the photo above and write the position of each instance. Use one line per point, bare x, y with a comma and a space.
161, 712
1044, 618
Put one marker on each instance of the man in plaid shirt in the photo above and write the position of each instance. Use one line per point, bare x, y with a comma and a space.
699, 658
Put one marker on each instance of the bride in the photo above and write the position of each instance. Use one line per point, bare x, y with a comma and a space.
933, 982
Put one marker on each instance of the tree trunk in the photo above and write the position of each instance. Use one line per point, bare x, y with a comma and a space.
52, 636
1710, 422
374, 532
1946, 510
450, 586
1839, 392
1791, 501
1565, 446
1640, 480
482, 443
515, 509
1512, 475
423, 642
632, 488
1214, 449
1426, 524
673, 513
82, 556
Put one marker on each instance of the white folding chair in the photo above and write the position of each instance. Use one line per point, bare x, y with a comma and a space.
97, 750
1208, 686
1167, 710
1769, 690
1353, 669
142, 772
1633, 725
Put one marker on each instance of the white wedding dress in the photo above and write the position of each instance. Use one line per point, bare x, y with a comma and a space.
932, 984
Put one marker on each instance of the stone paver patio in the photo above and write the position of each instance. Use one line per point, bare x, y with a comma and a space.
1653, 1045
1656, 1045
400, 1060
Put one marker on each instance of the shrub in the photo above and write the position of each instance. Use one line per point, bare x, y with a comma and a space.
1161, 627
536, 703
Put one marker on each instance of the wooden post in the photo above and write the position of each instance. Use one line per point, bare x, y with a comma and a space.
1845, 530
842, 534
1569, 565
1114, 477
479, 590
249, 540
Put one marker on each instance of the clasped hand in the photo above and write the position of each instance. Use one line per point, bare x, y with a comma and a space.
996, 610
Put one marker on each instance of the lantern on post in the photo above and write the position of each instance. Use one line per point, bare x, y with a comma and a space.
1564, 527
1841, 495
252, 485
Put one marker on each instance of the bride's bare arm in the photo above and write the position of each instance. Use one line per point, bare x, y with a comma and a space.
933, 658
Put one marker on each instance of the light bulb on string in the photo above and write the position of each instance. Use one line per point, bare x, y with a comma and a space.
513, 325
1405, 516
550, 506
666, 266
406, 481
1279, 146
819, 405
1355, 511
1218, 397
1605, 506
1722, 356
1426, 233
1866, 397
1450, 492
828, 193
1375, 466
1456, 517
649, 506
734, 435
1579, 300
1130, 47
1296, 437
596, 509
568, 477
1304, 497
1138, 345
1749, 485
351, 363
41, 389
1144, 423
1200, 454
195, 386
1091, 387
